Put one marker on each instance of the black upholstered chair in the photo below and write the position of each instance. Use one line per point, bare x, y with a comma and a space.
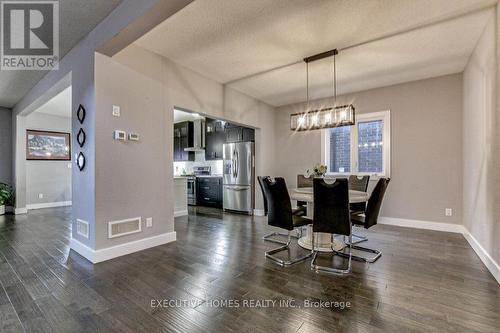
280, 215
370, 217
297, 212
358, 183
332, 216
303, 181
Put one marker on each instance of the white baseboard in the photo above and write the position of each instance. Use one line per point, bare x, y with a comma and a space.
48, 205
82, 249
417, 224
180, 213
22, 210
258, 212
96, 256
487, 260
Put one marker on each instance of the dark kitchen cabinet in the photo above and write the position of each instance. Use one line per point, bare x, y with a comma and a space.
215, 138
209, 191
183, 138
235, 133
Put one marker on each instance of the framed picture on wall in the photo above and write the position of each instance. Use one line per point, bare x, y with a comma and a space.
48, 146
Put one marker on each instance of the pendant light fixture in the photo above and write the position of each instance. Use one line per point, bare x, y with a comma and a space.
330, 117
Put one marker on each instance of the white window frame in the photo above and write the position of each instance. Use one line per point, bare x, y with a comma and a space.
385, 116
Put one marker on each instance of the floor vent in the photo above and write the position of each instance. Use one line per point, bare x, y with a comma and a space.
124, 227
82, 228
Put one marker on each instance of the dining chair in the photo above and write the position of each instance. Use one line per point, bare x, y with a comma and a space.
303, 181
358, 183
332, 216
370, 217
280, 215
297, 212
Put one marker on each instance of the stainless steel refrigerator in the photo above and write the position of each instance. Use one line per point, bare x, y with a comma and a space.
239, 174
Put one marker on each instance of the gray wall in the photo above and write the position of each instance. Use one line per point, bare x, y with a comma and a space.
127, 22
131, 177
481, 149
426, 139
147, 89
5, 145
50, 178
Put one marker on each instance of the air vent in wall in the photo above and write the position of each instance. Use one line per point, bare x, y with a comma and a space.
124, 227
82, 228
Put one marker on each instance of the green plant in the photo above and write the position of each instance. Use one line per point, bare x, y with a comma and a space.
6, 195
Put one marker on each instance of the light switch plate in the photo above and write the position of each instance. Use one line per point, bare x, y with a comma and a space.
116, 111
149, 222
448, 212
40, 195
133, 137
120, 135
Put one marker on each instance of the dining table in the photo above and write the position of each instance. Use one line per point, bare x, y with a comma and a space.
323, 242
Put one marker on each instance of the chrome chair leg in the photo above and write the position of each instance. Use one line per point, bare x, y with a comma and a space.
356, 239
319, 268
282, 262
269, 238
370, 260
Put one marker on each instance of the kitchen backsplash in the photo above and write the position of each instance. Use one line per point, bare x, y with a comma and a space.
216, 166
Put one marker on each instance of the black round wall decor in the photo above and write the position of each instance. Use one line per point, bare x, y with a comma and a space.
81, 136
80, 161
80, 114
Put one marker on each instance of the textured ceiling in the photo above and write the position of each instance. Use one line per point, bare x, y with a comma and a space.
76, 19
228, 40
59, 105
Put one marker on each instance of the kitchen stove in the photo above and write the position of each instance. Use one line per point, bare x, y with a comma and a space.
191, 182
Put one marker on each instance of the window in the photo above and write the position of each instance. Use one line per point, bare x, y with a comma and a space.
340, 157
360, 149
370, 146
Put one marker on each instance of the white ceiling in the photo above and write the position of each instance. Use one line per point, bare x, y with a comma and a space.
59, 105
228, 40
76, 19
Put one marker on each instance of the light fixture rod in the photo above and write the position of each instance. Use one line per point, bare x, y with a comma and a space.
321, 55
307, 84
334, 80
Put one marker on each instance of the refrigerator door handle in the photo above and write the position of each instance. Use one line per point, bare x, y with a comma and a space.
237, 188
237, 163
233, 164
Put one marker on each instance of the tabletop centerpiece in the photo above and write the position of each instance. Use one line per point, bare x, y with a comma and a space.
318, 170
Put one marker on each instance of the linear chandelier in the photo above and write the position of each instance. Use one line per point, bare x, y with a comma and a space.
335, 116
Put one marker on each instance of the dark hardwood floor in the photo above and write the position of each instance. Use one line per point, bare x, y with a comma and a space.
425, 282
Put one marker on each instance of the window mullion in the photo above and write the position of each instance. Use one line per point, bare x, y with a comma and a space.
354, 149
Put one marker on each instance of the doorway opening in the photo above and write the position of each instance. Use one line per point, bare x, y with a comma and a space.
213, 164
43, 150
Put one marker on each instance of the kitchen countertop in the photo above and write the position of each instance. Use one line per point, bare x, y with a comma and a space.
209, 176
200, 176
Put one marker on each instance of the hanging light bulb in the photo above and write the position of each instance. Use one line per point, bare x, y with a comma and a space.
315, 119
328, 118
